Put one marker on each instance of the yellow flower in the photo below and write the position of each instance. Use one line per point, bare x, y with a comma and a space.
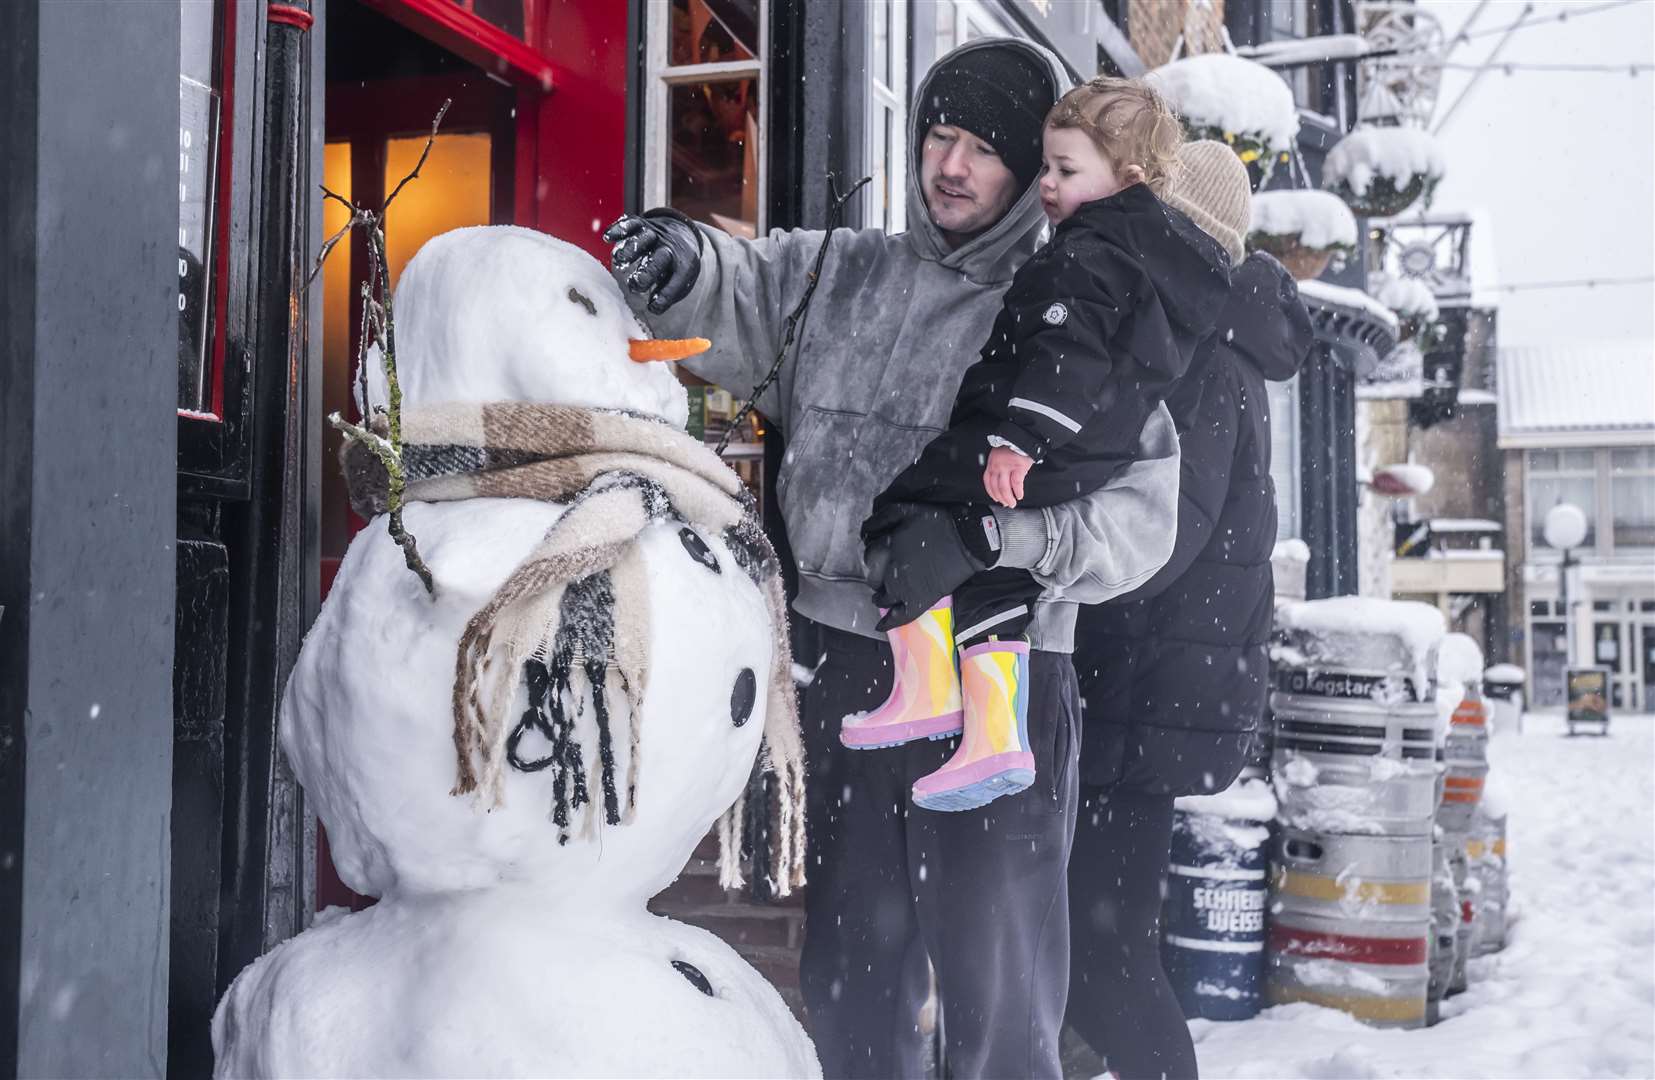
1248, 156
1229, 137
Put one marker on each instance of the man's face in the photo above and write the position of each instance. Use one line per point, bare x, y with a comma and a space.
967, 187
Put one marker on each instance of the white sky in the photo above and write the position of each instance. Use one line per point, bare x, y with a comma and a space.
1562, 163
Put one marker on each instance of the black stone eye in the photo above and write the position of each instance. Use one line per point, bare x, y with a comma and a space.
742, 697
698, 549
693, 974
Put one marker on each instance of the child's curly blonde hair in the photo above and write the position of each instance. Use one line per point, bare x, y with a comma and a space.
1129, 123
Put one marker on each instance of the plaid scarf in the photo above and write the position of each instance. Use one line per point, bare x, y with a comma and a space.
576, 609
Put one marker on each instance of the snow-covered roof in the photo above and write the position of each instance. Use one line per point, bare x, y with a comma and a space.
1599, 394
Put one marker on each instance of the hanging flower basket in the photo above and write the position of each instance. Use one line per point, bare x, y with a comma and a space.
1382, 171
1305, 230
1242, 104
1414, 305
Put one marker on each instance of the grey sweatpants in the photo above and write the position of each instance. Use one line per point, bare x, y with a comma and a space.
983, 894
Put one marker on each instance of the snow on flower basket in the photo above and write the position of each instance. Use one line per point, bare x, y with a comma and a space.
1304, 229
1382, 171
1415, 307
1234, 101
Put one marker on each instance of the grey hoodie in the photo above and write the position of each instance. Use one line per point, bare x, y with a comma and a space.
871, 379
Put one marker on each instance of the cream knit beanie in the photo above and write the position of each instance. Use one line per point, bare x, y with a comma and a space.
1212, 187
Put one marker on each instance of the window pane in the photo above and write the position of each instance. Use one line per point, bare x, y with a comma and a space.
198, 120
945, 26
879, 62
1542, 460
713, 176
879, 191
1547, 492
896, 146
337, 362
1287, 17
1578, 460
713, 31
1637, 457
453, 191
1632, 502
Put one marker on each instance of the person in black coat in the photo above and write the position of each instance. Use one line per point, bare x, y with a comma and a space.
1174, 675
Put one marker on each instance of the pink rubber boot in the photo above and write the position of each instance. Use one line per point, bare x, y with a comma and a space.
925, 688
994, 757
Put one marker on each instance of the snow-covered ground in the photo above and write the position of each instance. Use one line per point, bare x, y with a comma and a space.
1573, 994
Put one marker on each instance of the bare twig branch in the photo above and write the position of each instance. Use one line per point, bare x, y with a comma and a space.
378, 327
420, 164
835, 211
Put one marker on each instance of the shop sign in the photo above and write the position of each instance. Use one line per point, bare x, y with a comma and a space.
1588, 697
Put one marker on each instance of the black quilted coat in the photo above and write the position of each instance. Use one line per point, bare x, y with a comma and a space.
1174, 675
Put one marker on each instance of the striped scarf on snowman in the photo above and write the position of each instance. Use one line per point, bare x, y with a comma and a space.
572, 619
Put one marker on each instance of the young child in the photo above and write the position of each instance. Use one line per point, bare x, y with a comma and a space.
1092, 332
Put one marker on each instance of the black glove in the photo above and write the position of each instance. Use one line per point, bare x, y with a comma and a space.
664, 251
917, 554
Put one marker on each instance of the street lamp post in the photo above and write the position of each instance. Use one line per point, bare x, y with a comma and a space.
1565, 530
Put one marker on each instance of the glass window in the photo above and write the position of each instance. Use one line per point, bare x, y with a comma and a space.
885, 199
713, 31
703, 151
199, 97
1284, 454
1632, 496
712, 173
1288, 18
1557, 477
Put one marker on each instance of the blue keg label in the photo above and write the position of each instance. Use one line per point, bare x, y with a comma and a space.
1228, 910
1346, 685
1215, 910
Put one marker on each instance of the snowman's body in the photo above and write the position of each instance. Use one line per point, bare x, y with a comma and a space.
418, 987
496, 950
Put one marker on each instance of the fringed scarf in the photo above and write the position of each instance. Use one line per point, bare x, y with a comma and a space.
576, 610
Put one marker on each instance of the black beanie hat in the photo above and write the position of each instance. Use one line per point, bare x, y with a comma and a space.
999, 93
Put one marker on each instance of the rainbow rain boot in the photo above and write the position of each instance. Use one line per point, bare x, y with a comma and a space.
994, 757
925, 690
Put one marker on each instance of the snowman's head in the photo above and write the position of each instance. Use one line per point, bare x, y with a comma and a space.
501, 313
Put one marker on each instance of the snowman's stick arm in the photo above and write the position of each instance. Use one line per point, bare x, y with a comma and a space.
418, 165
796, 316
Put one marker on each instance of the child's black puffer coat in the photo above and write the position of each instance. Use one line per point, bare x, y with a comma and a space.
1175, 675
1091, 335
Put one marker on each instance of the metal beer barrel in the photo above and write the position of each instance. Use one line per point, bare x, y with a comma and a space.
1445, 924
1347, 759
1213, 920
1465, 752
1350, 923
1485, 854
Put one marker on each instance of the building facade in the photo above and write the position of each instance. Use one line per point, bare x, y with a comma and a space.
1577, 426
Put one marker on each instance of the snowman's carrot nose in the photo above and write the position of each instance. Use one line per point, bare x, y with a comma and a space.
645, 350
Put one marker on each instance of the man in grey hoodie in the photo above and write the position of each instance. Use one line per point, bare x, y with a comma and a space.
896, 320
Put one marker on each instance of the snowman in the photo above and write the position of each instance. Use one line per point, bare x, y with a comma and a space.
517, 761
